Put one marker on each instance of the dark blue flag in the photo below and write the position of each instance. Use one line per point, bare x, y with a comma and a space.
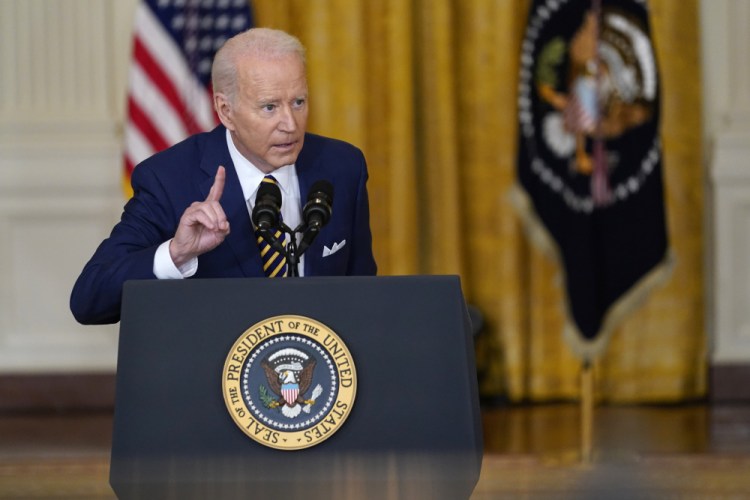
590, 159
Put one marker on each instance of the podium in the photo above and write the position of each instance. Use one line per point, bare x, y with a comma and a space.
413, 430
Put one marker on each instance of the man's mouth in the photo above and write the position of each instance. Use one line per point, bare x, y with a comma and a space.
285, 145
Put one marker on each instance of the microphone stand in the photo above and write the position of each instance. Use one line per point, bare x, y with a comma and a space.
293, 250
292, 255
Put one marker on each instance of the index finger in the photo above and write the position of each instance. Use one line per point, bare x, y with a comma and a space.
217, 189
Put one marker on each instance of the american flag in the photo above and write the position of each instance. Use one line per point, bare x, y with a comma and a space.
169, 83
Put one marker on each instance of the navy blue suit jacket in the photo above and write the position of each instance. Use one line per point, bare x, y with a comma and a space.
168, 182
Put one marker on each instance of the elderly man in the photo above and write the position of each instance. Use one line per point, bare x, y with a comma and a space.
190, 215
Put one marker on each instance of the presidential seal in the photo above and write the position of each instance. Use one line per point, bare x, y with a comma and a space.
289, 382
588, 102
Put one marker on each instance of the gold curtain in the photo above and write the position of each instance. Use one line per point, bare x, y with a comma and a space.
427, 89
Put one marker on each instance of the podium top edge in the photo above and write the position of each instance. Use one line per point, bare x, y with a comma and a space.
432, 278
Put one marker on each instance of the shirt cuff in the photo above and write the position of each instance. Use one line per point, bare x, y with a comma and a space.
164, 268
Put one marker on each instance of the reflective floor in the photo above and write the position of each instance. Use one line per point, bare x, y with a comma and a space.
682, 451
678, 451
619, 430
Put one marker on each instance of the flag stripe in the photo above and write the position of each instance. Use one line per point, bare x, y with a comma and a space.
151, 131
148, 68
153, 104
173, 62
136, 146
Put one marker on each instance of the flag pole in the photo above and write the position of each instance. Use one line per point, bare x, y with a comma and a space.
599, 193
587, 411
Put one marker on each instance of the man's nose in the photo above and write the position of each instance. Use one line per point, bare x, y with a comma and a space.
288, 120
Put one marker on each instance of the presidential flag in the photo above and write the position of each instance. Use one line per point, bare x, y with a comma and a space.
590, 158
169, 82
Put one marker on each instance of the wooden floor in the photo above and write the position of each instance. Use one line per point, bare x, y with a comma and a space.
687, 451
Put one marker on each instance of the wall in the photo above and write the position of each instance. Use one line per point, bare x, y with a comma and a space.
61, 106
726, 42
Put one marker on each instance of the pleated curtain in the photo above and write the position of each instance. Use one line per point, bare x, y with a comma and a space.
427, 89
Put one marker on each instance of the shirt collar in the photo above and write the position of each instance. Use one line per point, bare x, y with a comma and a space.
251, 177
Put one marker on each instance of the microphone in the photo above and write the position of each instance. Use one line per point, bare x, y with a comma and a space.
267, 209
317, 211
267, 214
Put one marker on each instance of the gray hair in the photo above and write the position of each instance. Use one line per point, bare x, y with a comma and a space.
265, 42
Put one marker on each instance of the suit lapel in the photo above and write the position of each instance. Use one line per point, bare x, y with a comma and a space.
241, 238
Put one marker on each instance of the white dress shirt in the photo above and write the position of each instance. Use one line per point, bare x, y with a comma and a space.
250, 179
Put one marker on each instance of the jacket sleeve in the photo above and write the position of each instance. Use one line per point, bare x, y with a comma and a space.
128, 253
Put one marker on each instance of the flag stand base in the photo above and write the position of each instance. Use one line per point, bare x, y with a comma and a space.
583, 455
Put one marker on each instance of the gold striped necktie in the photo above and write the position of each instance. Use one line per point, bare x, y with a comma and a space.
274, 263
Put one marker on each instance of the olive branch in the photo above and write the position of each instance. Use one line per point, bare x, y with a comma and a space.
265, 397
550, 57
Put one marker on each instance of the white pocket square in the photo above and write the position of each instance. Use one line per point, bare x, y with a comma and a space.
334, 248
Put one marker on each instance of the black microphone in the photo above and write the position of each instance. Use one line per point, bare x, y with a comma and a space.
317, 211
267, 209
267, 214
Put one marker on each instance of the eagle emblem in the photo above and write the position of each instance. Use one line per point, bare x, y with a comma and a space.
289, 382
289, 373
589, 99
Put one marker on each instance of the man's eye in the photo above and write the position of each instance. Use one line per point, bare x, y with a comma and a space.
269, 107
299, 103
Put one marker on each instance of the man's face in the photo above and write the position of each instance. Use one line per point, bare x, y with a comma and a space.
269, 116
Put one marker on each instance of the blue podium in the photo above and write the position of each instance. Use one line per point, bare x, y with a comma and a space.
413, 430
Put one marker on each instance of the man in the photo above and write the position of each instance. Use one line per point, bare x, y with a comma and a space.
190, 212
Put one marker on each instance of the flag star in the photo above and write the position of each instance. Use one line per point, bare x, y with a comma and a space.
222, 22
178, 22
204, 67
191, 43
239, 3
206, 43
239, 22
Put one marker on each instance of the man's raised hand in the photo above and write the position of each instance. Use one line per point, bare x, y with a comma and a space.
203, 225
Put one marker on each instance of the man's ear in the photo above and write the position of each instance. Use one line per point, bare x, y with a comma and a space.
224, 110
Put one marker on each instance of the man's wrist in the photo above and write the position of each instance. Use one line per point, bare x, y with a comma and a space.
166, 268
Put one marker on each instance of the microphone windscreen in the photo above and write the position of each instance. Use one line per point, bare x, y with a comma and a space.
269, 189
323, 187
